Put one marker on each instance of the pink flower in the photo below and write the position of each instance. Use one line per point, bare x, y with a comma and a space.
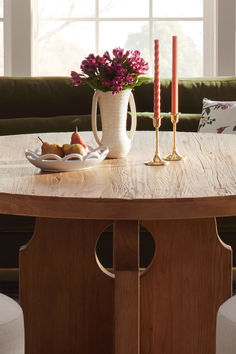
76, 78
136, 53
106, 55
101, 61
118, 53
130, 78
89, 64
107, 83
137, 64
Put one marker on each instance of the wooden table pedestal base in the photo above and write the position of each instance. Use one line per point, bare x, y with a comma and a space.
72, 306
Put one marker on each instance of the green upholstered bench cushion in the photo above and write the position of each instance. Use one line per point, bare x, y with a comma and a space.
187, 122
56, 96
191, 93
29, 125
43, 96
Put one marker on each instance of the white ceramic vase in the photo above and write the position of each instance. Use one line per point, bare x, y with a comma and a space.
113, 109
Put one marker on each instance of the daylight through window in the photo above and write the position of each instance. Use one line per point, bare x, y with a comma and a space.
69, 30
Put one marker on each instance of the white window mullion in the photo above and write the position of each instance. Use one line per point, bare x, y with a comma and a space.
34, 37
151, 42
209, 38
97, 26
18, 38
226, 37
7, 14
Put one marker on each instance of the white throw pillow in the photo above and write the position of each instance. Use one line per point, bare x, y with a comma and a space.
218, 117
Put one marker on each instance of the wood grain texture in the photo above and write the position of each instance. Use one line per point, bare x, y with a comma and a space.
127, 287
68, 302
189, 279
126, 245
203, 185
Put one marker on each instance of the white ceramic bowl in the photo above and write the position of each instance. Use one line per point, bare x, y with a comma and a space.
59, 164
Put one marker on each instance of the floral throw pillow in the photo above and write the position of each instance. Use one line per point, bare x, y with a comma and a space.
218, 117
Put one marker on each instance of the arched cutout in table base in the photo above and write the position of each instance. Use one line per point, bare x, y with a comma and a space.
104, 250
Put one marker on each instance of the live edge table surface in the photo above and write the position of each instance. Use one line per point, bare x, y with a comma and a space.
71, 303
201, 186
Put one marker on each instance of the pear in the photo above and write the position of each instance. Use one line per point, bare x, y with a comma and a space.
76, 138
74, 149
48, 148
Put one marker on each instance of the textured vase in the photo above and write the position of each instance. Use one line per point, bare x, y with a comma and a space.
113, 109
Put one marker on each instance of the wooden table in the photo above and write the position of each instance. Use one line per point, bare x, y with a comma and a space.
71, 304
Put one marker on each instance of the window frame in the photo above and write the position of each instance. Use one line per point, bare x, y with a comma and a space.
20, 22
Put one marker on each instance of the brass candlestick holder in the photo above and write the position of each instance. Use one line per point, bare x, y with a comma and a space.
157, 160
174, 156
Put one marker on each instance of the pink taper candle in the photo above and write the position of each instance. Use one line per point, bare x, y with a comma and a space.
156, 81
174, 96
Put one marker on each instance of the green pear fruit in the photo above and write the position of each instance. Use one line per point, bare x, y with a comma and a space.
73, 149
48, 148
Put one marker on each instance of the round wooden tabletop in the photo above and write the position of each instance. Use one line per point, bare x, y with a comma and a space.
204, 185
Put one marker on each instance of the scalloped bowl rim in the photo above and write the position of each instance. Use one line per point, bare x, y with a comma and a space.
53, 162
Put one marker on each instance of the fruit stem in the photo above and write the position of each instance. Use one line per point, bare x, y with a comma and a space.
40, 139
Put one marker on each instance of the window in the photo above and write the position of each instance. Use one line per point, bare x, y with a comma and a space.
52, 37
68, 30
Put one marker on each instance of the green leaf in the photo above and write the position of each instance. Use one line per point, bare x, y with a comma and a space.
144, 79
